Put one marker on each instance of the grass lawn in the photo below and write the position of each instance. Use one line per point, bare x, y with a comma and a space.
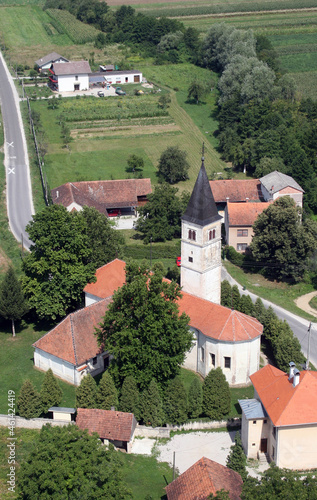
16, 358
239, 393
279, 293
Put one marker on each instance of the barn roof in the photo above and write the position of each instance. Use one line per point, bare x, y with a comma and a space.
276, 181
236, 190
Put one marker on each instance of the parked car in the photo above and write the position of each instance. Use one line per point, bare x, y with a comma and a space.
100, 93
119, 91
178, 261
114, 212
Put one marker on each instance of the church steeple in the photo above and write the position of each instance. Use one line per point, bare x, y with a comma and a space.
201, 208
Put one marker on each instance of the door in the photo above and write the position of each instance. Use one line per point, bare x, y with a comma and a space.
76, 86
263, 446
136, 78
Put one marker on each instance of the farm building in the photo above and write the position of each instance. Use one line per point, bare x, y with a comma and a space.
70, 76
108, 197
46, 62
122, 77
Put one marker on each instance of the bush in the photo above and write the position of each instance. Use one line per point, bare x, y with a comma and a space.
51, 393
175, 403
235, 257
86, 393
29, 401
107, 396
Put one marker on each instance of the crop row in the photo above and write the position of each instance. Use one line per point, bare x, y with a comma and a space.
78, 32
129, 122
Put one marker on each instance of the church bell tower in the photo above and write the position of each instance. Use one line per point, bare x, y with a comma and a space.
201, 242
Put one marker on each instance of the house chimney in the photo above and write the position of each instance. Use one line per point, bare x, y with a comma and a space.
247, 199
113, 408
292, 367
296, 377
57, 194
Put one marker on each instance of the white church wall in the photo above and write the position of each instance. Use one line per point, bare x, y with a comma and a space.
191, 356
59, 367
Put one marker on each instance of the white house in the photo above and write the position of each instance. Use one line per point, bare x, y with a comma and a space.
46, 62
70, 76
122, 77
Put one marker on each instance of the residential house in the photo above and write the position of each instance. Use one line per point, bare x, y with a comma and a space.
281, 420
235, 191
71, 349
115, 427
239, 220
70, 76
108, 197
203, 479
46, 62
276, 184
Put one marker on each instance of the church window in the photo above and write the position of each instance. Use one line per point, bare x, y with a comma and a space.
227, 362
192, 235
242, 232
190, 259
213, 360
212, 234
202, 354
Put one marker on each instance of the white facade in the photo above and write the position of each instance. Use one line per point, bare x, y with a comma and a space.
123, 77
201, 260
91, 299
71, 83
208, 353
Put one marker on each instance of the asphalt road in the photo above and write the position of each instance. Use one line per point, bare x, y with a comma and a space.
19, 193
297, 324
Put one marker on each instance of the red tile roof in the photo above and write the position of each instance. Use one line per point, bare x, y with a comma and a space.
211, 319
112, 425
285, 404
245, 214
73, 339
102, 194
237, 190
202, 479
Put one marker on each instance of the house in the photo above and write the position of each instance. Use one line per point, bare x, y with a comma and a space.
281, 420
202, 479
106, 196
71, 349
239, 219
70, 76
115, 427
276, 184
235, 191
223, 337
46, 62
122, 77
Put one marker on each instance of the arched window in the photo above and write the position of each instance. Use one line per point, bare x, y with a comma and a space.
192, 235
212, 234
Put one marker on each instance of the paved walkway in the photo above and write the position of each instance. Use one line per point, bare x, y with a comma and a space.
303, 303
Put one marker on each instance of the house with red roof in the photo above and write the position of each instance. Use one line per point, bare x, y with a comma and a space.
202, 479
115, 427
281, 420
108, 197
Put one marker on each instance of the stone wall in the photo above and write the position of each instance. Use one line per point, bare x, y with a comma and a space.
32, 423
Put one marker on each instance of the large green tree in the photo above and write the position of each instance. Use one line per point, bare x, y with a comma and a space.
197, 91
67, 248
173, 165
51, 393
143, 329
107, 395
66, 462
86, 393
282, 242
216, 395
29, 401
13, 304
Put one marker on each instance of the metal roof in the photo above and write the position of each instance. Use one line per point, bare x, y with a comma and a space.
62, 409
52, 57
275, 181
252, 408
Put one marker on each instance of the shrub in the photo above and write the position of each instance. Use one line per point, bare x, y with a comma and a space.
235, 257
86, 393
175, 402
107, 395
195, 399
29, 401
51, 393
151, 405
216, 395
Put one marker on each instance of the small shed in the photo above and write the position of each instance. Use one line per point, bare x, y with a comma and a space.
63, 413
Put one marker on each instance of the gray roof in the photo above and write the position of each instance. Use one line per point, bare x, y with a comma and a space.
252, 408
201, 208
62, 409
275, 181
71, 68
52, 57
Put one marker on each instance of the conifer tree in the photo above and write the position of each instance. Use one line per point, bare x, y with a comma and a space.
29, 401
107, 395
216, 395
51, 393
130, 397
235, 298
13, 304
175, 402
86, 393
195, 398
259, 310
151, 405
246, 305
225, 293
236, 459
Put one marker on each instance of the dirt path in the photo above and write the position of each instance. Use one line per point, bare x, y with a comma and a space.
303, 303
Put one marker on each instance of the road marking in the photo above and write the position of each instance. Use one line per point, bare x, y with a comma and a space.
11, 170
12, 157
10, 144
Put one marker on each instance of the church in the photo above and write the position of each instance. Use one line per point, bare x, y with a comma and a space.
223, 337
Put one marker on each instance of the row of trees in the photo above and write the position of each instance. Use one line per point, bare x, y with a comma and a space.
277, 334
156, 404
32, 404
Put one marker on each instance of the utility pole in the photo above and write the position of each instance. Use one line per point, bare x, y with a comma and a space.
308, 348
173, 465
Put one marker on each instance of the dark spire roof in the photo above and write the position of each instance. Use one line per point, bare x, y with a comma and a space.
201, 208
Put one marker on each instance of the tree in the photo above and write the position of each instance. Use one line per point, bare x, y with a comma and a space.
13, 304
130, 397
226, 294
107, 395
86, 393
151, 405
197, 91
268, 165
281, 241
135, 163
173, 166
160, 217
66, 462
236, 460
175, 402
29, 401
164, 101
195, 399
235, 298
216, 395
246, 305
66, 250
51, 393
143, 330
